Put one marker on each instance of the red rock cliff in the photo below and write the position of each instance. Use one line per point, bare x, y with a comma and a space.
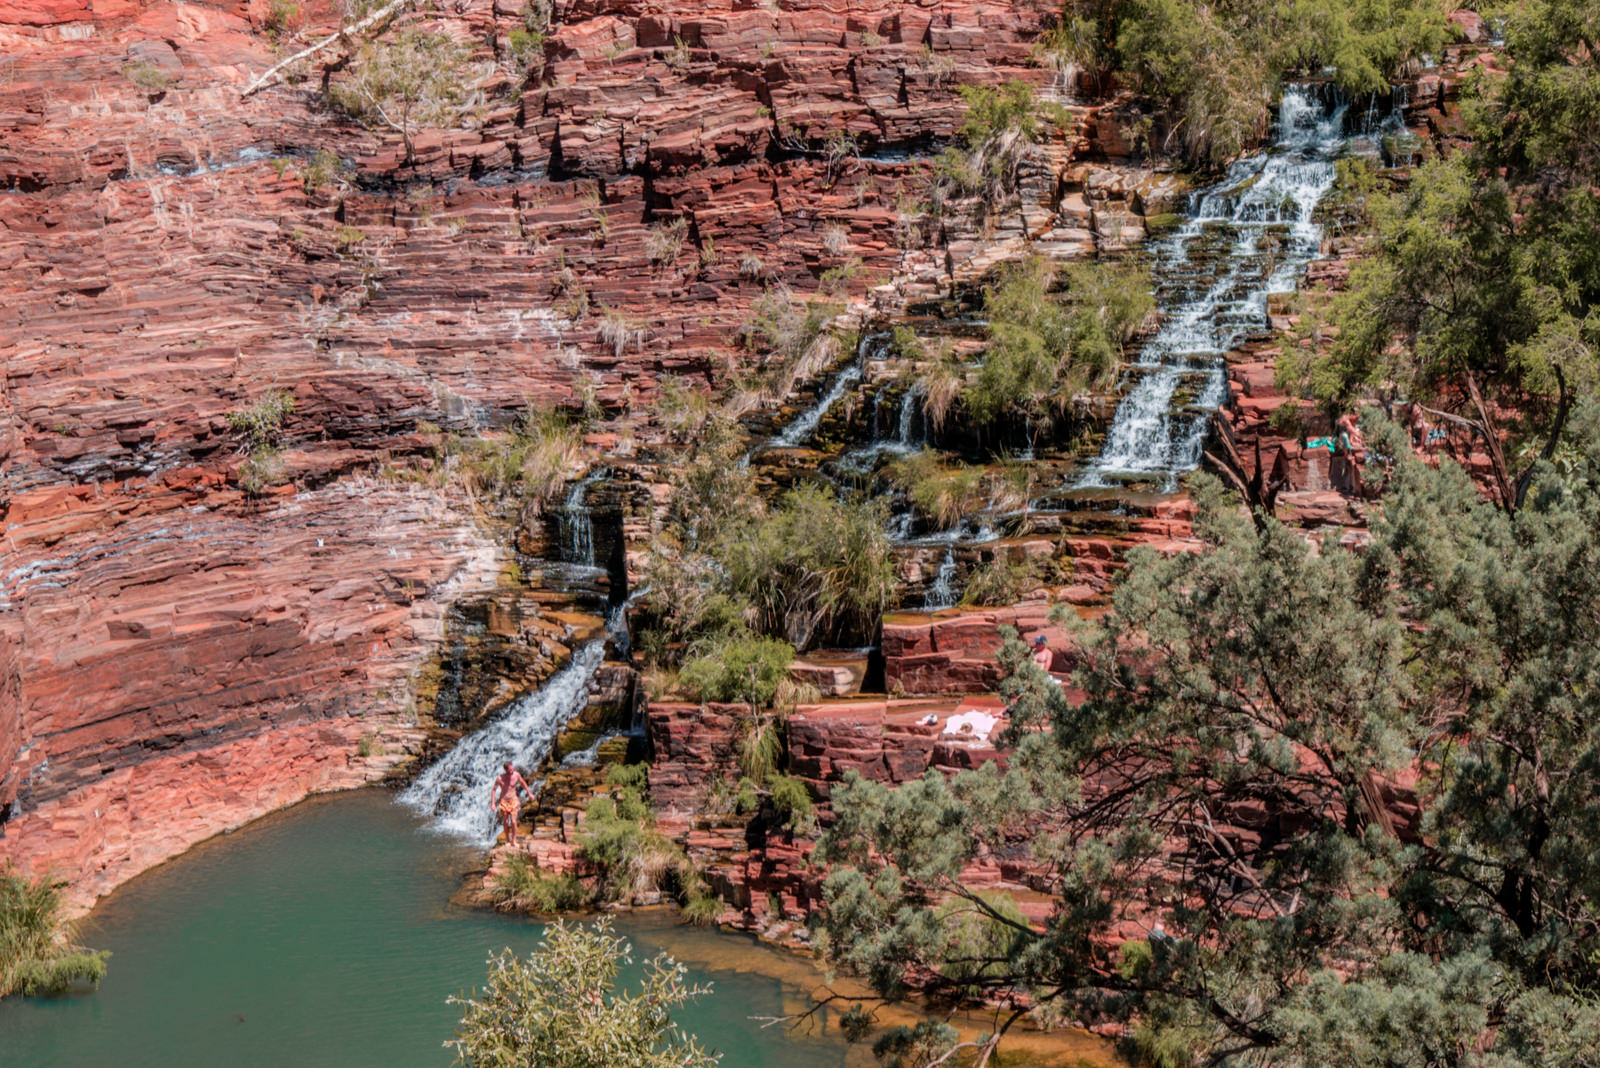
176, 657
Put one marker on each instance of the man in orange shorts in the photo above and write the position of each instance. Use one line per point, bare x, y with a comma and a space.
503, 799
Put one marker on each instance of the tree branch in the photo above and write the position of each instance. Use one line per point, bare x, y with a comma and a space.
392, 8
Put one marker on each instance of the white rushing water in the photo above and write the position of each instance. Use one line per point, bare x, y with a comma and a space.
577, 523
1248, 237
455, 790
800, 431
942, 593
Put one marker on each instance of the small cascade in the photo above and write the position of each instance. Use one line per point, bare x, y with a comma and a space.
455, 790
576, 523
587, 758
799, 432
1248, 237
942, 594
912, 432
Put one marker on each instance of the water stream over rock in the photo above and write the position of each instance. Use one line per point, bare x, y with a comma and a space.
455, 790
1247, 237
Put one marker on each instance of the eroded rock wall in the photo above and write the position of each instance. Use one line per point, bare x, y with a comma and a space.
177, 657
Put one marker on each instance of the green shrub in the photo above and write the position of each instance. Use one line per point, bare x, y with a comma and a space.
36, 952
813, 568
1000, 124
521, 886
1045, 347
323, 169
943, 494
530, 464
628, 776
792, 799
737, 667
527, 50
1212, 68
283, 16
619, 835
760, 747
405, 81
261, 421
1004, 582
702, 909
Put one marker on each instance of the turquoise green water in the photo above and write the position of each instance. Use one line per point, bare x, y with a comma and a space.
324, 936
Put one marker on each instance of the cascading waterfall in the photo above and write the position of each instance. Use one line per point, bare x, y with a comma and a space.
1248, 237
942, 594
455, 790
907, 437
576, 524
799, 432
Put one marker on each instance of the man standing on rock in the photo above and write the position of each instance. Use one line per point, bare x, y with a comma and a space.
503, 799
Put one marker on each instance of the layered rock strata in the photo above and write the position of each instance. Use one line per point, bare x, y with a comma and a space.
172, 253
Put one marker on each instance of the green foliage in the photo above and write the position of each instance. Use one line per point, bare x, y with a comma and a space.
1045, 348
324, 168
561, 1007
1347, 207
999, 126
680, 407
1307, 687
1214, 67
814, 567
259, 426
283, 17
619, 834
36, 953
1482, 295
1003, 582
346, 238
760, 748
526, 42
529, 464
791, 798
792, 335
406, 81
737, 666
521, 886
944, 494
261, 422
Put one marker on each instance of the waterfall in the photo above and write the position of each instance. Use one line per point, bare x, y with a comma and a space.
800, 431
906, 437
455, 791
577, 524
942, 594
1261, 213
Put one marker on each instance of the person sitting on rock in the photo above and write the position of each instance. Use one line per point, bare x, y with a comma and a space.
503, 799
1350, 439
1042, 655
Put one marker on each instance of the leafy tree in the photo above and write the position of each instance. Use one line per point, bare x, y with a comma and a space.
1214, 67
1480, 297
406, 81
1232, 783
560, 1007
36, 951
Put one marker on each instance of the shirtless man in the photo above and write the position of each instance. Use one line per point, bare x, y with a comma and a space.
503, 799
1042, 654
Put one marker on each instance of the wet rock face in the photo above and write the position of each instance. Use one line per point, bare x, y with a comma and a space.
167, 258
